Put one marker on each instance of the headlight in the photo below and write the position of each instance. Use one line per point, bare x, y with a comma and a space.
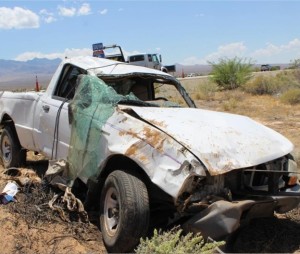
294, 176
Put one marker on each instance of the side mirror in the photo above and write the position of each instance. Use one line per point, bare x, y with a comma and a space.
160, 58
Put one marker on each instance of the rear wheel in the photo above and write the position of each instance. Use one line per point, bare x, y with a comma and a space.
11, 153
124, 208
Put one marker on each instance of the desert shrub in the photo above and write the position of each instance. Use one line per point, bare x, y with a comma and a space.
295, 63
205, 91
291, 96
174, 242
275, 68
262, 85
296, 74
272, 85
288, 79
231, 104
231, 73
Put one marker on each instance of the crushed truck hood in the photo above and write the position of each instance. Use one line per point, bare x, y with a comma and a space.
222, 141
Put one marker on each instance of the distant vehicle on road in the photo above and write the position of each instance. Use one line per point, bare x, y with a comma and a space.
265, 67
191, 75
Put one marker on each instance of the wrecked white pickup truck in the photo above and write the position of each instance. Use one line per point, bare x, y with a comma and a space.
145, 161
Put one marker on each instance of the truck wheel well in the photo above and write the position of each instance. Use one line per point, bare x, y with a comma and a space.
115, 162
121, 162
125, 163
7, 120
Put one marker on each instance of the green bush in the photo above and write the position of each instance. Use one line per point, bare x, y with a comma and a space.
275, 68
288, 79
262, 85
231, 73
173, 241
291, 96
271, 85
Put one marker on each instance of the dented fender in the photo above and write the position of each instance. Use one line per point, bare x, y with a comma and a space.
164, 160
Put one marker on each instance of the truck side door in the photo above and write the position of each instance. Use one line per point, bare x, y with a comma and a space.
54, 132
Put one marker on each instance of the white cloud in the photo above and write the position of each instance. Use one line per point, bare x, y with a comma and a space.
48, 17
103, 12
67, 53
18, 18
85, 9
77, 52
271, 53
235, 49
66, 12
272, 50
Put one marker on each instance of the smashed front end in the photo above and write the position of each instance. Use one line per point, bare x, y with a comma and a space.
219, 204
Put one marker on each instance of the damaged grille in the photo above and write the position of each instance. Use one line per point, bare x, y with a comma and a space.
271, 178
197, 193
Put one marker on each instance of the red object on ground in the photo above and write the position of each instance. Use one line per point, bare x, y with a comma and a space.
37, 87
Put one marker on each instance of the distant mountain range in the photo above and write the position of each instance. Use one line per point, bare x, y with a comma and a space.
19, 75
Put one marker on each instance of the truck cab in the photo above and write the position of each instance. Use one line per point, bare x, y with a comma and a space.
147, 60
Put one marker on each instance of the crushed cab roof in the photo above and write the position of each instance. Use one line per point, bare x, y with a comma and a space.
106, 66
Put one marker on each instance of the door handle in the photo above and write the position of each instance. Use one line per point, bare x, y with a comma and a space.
46, 108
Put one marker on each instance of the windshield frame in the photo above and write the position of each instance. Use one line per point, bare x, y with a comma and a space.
163, 79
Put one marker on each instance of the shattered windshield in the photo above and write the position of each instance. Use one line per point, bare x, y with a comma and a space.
93, 104
149, 89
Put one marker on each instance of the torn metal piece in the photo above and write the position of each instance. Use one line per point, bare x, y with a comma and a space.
75, 205
222, 217
58, 208
219, 219
67, 202
55, 174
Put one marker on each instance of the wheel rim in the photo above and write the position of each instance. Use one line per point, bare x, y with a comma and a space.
6, 149
111, 211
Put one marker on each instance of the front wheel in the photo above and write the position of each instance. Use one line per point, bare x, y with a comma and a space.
124, 211
11, 153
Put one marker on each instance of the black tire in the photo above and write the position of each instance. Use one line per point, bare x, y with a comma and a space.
12, 154
124, 211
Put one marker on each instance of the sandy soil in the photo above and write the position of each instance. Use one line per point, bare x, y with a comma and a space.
30, 228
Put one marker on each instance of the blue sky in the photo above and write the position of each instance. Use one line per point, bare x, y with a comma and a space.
186, 32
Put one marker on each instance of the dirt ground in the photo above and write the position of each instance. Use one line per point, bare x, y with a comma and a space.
30, 228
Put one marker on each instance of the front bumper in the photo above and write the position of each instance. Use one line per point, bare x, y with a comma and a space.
223, 217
